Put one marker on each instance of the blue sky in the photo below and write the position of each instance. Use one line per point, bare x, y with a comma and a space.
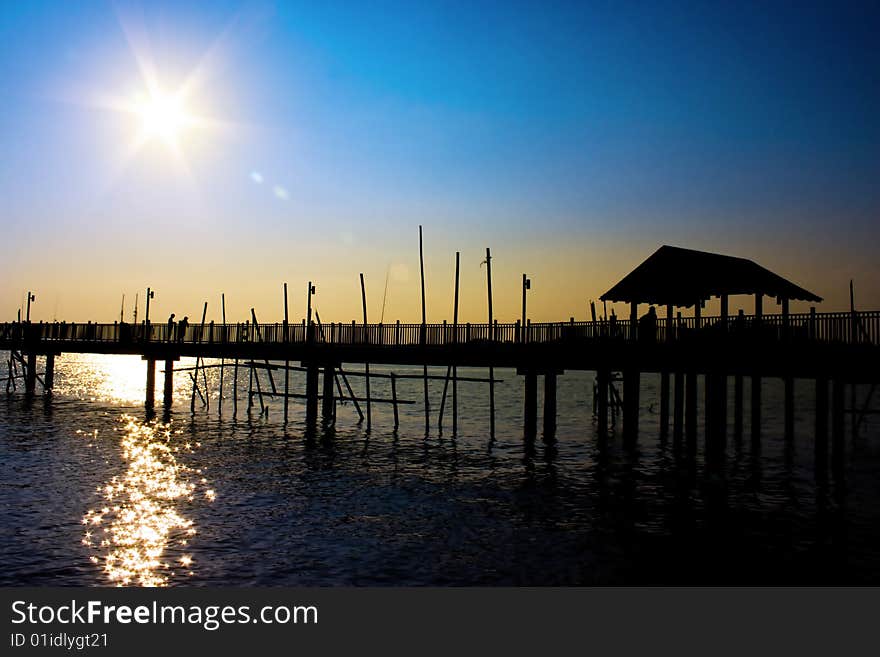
573, 138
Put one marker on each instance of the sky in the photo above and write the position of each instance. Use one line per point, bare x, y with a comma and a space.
311, 140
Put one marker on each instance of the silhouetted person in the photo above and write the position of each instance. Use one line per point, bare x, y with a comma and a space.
648, 326
181, 328
171, 328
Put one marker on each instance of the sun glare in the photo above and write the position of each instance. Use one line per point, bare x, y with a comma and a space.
161, 116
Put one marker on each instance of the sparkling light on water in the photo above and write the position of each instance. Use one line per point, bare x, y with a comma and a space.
140, 516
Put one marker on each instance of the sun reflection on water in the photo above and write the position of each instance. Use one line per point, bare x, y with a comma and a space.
137, 522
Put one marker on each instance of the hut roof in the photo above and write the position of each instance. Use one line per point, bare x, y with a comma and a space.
681, 277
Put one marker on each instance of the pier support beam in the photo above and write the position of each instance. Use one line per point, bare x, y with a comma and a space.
690, 420
549, 406
631, 383
738, 406
664, 405
821, 445
837, 425
168, 389
756, 409
678, 411
328, 405
311, 394
788, 383
30, 375
602, 379
49, 377
150, 399
530, 405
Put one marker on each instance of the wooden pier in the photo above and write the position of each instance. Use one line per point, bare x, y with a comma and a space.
830, 350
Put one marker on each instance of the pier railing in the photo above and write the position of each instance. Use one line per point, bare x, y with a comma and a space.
839, 327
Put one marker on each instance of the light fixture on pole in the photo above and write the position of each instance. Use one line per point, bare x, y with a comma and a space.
526, 285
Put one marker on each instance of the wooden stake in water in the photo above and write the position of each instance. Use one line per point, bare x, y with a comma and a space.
492, 339
366, 364
287, 362
222, 360
424, 335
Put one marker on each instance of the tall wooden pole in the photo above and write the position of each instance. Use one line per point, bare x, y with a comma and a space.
424, 335
286, 362
492, 339
222, 360
455, 367
366, 364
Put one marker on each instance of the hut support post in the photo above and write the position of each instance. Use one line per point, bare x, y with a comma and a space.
837, 425
821, 445
691, 412
631, 384
678, 410
738, 405
602, 379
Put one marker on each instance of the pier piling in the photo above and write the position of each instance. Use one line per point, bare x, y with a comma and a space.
549, 406
150, 400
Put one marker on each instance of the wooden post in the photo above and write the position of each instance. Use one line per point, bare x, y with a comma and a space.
328, 402
678, 410
725, 306
394, 399
168, 391
311, 394
786, 320
455, 367
633, 322
549, 406
286, 362
664, 404
223, 359
837, 425
691, 412
698, 315
821, 444
631, 384
30, 380
738, 405
150, 400
602, 379
49, 381
492, 339
366, 364
424, 336
530, 409
756, 378
788, 401
756, 409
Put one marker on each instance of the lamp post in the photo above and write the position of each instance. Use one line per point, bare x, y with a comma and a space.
150, 295
311, 291
526, 285
30, 297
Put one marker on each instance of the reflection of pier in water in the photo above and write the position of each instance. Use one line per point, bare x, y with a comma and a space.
830, 349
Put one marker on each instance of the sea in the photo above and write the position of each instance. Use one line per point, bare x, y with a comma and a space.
96, 491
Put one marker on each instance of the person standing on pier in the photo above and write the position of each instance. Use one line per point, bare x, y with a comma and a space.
170, 335
181, 328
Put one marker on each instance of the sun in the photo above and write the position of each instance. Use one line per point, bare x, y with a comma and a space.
161, 116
